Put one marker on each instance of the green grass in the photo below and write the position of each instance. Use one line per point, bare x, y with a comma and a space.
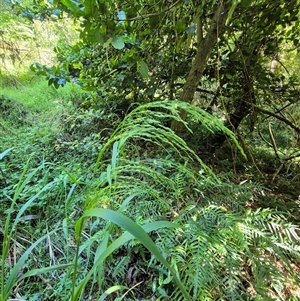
196, 237
32, 109
34, 92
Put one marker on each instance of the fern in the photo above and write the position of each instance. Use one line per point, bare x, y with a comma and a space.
214, 245
120, 268
220, 249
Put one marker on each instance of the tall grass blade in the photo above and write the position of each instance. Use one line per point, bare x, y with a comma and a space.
7, 285
123, 239
7, 233
3, 154
12, 279
44, 270
134, 229
29, 202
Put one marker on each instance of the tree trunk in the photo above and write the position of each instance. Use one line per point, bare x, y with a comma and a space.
205, 48
243, 106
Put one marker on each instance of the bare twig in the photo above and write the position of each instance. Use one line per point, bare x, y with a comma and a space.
273, 141
279, 117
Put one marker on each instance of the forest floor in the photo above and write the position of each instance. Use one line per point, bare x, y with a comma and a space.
41, 124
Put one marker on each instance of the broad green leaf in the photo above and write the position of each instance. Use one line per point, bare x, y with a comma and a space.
123, 239
90, 8
73, 6
117, 43
143, 69
153, 21
99, 38
135, 230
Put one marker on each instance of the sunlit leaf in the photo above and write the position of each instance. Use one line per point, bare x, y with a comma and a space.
117, 43
61, 82
56, 12
231, 11
112, 290
72, 5
191, 29
121, 15
3, 154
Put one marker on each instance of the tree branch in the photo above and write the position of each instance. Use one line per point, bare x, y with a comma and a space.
279, 117
205, 48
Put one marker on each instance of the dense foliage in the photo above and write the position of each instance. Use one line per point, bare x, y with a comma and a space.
137, 52
161, 162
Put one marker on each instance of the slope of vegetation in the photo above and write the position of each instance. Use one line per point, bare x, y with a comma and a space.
139, 179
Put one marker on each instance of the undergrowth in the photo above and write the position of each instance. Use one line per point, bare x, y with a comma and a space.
133, 216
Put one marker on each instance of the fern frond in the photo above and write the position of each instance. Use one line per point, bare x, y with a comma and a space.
119, 270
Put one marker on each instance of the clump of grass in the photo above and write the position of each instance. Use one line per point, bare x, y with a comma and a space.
148, 200
13, 111
34, 92
14, 216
